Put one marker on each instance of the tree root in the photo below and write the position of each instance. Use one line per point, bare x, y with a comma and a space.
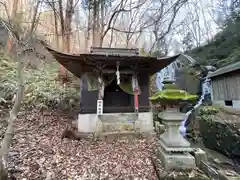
69, 133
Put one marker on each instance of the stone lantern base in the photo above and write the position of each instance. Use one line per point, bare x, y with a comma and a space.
173, 149
177, 161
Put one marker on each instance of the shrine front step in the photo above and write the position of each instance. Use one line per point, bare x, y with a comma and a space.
128, 135
115, 122
119, 122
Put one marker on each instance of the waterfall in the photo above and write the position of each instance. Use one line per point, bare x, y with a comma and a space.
205, 91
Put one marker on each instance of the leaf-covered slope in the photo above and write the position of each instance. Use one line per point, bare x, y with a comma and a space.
42, 85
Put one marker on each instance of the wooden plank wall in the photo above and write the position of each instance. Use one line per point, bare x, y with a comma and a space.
227, 86
114, 104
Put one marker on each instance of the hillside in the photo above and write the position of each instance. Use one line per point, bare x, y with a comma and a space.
224, 48
43, 88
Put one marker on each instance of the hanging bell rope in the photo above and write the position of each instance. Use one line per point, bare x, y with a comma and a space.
101, 83
135, 88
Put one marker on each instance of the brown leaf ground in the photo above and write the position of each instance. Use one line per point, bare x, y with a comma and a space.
39, 153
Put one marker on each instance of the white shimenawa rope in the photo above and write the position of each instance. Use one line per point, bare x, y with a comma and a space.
134, 83
118, 75
102, 86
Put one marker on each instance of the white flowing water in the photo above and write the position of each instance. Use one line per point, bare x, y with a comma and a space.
169, 72
205, 90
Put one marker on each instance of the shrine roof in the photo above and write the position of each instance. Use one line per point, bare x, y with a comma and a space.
87, 62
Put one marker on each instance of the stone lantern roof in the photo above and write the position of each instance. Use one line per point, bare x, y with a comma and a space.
172, 95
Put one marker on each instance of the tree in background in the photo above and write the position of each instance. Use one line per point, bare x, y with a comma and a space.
13, 16
24, 40
223, 49
188, 41
163, 20
65, 23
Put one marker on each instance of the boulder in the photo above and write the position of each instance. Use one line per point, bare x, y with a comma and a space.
220, 131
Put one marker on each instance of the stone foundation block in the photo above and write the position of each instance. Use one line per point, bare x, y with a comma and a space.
176, 161
200, 156
163, 174
118, 122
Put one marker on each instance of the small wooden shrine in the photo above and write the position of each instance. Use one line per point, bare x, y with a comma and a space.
104, 63
113, 80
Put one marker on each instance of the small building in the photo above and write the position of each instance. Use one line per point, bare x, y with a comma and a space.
225, 86
114, 85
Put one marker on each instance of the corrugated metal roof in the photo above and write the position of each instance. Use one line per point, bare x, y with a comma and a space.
226, 69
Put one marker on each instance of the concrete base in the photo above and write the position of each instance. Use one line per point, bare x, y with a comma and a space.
200, 156
235, 103
176, 161
164, 174
87, 123
112, 122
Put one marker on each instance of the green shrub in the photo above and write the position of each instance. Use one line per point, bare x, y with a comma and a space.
208, 110
42, 88
218, 133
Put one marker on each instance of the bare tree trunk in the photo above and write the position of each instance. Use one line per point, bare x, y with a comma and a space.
55, 23
63, 72
33, 24
61, 22
102, 23
111, 40
68, 22
13, 115
13, 16
98, 23
88, 29
94, 22
7, 140
65, 28
112, 31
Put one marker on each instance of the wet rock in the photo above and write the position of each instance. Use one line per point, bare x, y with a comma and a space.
224, 131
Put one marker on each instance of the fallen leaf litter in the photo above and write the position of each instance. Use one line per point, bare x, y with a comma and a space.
38, 152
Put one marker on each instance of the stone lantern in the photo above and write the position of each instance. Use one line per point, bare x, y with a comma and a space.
173, 150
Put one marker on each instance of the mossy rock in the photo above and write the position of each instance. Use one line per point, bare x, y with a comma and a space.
219, 135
